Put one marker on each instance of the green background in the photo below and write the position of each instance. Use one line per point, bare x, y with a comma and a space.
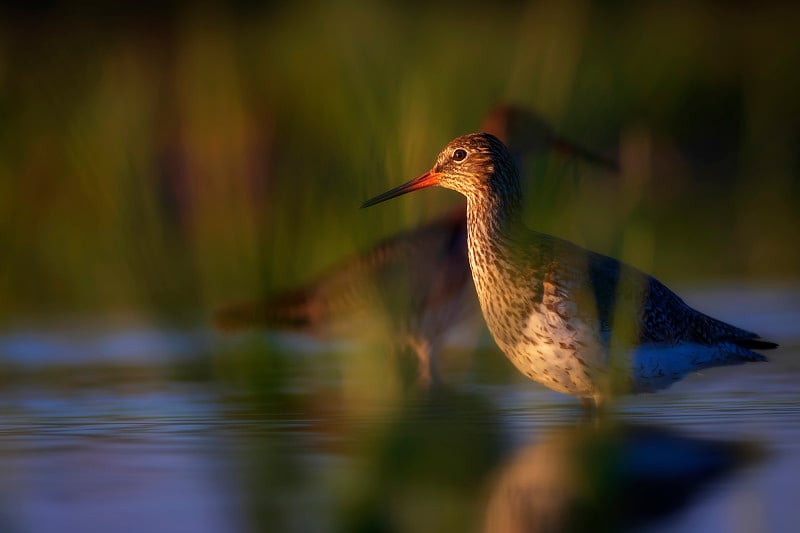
160, 162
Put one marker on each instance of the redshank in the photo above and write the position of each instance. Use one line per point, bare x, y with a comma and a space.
417, 280
576, 321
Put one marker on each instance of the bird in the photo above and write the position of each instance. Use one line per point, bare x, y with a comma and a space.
574, 320
417, 280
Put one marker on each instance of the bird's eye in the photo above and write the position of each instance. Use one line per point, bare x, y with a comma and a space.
459, 155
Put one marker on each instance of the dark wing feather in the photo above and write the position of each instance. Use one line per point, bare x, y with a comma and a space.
659, 315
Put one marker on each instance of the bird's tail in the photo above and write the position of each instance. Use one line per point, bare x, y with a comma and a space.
754, 344
740, 350
734, 354
739, 343
291, 310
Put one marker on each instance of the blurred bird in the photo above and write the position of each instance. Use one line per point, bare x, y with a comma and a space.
576, 321
418, 281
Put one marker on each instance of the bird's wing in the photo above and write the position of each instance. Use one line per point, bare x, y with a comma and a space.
389, 274
400, 272
641, 305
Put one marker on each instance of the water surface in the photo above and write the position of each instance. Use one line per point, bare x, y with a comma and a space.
142, 429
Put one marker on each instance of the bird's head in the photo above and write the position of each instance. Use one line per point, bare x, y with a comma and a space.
473, 164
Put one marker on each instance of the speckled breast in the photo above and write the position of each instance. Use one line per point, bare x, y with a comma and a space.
548, 341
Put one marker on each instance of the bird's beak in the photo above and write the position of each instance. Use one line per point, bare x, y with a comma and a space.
569, 148
428, 179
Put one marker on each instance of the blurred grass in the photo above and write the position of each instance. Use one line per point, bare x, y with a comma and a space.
163, 163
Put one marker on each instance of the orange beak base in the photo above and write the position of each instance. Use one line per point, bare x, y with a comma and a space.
428, 179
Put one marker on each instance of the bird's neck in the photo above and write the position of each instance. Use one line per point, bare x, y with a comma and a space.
496, 237
494, 215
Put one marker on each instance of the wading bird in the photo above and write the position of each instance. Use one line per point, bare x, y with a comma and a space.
576, 321
417, 282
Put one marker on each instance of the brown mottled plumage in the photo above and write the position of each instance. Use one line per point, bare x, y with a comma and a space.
418, 281
577, 321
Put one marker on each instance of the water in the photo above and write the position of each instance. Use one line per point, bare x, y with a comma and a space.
137, 429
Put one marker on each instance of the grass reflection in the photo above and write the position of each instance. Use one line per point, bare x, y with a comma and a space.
422, 468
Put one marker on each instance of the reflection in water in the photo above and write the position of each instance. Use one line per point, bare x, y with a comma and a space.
606, 476
127, 457
423, 469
